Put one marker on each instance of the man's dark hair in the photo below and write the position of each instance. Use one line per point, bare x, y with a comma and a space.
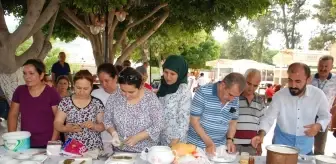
202, 74
126, 63
235, 78
327, 57
293, 66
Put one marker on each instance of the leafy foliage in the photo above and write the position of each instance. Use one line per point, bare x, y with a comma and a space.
23, 47
326, 35
237, 47
288, 15
323, 40
199, 55
190, 15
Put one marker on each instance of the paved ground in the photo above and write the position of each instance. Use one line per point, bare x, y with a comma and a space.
329, 150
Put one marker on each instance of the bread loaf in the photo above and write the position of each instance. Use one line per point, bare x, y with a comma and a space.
183, 149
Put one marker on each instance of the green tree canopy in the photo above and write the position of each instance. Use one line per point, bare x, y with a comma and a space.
197, 56
143, 19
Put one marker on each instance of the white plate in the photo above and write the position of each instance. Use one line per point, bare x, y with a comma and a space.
229, 158
306, 158
23, 156
29, 162
78, 161
112, 160
40, 157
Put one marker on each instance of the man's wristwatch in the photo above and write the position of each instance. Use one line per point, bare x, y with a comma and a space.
228, 138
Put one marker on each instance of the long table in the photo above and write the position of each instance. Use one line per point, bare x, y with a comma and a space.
57, 159
258, 160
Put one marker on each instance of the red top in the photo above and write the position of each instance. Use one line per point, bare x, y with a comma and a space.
269, 92
148, 86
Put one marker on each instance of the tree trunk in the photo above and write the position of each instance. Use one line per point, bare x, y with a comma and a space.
9, 83
285, 22
261, 47
144, 52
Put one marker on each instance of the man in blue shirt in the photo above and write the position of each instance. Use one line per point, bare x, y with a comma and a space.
214, 114
61, 68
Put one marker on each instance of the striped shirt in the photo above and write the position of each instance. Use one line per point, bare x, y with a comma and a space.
248, 121
214, 116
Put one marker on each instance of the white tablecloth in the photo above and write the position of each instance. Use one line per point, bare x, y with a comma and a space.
258, 160
56, 159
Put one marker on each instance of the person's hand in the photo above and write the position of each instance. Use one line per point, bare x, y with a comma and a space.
72, 128
115, 139
88, 124
210, 149
132, 140
231, 147
312, 129
256, 141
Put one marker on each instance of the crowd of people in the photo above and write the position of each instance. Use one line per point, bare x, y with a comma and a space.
124, 112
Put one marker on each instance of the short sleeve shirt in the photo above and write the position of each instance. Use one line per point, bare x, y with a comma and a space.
328, 86
37, 116
60, 70
214, 116
91, 139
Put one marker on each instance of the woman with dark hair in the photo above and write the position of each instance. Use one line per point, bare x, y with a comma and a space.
37, 103
133, 114
175, 96
83, 114
62, 85
108, 77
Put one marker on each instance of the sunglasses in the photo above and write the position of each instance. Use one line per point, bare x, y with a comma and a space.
128, 78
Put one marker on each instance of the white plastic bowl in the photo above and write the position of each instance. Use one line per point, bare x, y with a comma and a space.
323, 159
17, 141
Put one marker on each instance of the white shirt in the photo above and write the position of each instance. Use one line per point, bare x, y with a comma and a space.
293, 112
328, 86
101, 95
201, 81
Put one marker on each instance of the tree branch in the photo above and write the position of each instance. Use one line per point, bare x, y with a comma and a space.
45, 17
34, 50
51, 26
78, 27
124, 33
111, 19
34, 11
3, 25
143, 38
87, 19
46, 48
76, 22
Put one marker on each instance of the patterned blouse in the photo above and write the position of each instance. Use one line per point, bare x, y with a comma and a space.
177, 115
91, 139
131, 119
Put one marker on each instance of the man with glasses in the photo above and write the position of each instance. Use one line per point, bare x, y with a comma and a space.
294, 109
214, 114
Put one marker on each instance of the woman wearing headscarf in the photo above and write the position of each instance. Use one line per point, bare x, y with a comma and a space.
175, 96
